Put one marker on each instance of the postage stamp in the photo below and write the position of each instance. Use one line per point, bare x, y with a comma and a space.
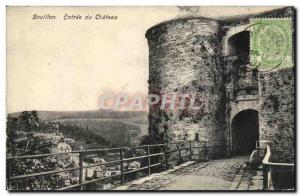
271, 43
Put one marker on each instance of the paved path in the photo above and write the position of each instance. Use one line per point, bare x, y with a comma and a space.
223, 174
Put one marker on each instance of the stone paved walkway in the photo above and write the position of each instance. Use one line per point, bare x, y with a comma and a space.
223, 174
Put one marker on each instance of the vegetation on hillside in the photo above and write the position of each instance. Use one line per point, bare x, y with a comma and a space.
115, 132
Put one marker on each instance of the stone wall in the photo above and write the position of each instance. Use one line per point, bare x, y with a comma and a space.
184, 58
277, 112
192, 55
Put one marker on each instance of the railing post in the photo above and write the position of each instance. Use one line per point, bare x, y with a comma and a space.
265, 177
179, 152
149, 162
205, 151
122, 166
81, 174
8, 173
191, 151
166, 155
26, 185
258, 149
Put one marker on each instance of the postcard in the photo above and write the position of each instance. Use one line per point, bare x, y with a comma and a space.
172, 98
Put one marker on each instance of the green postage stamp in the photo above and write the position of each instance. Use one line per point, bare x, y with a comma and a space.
271, 43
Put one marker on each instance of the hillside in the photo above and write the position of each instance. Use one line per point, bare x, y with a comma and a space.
115, 126
114, 131
53, 115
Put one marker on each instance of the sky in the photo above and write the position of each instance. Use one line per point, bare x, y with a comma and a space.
66, 65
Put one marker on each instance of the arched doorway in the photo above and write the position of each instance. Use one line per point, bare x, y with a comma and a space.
245, 132
239, 45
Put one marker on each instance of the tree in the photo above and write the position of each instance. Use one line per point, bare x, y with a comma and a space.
11, 131
29, 123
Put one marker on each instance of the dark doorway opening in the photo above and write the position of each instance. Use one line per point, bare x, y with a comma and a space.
245, 132
243, 75
197, 137
239, 45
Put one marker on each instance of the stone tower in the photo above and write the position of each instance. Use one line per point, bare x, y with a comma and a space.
184, 58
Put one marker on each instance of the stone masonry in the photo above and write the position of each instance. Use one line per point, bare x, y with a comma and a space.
185, 58
210, 57
277, 113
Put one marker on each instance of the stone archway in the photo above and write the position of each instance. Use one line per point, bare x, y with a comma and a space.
238, 45
245, 132
229, 34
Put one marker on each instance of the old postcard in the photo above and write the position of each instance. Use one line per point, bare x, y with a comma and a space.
178, 98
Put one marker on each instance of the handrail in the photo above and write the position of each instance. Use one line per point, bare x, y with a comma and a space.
80, 151
43, 173
267, 155
107, 149
281, 164
267, 173
121, 161
266, 160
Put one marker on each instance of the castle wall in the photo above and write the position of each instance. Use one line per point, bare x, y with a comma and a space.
277, 113
201, 55
236, 84
184, 57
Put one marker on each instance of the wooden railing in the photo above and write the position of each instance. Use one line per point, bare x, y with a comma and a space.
267, 168
162, 152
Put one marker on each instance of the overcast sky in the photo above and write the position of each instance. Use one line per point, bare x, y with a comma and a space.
63, 65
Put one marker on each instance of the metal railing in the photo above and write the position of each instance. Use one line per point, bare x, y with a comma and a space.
154, 155
268, 166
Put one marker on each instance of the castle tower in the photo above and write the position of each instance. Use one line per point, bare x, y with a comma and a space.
184, 58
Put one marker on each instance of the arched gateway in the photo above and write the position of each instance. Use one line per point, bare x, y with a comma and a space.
245, 132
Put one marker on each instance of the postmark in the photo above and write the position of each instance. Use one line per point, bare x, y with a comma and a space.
271, 43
